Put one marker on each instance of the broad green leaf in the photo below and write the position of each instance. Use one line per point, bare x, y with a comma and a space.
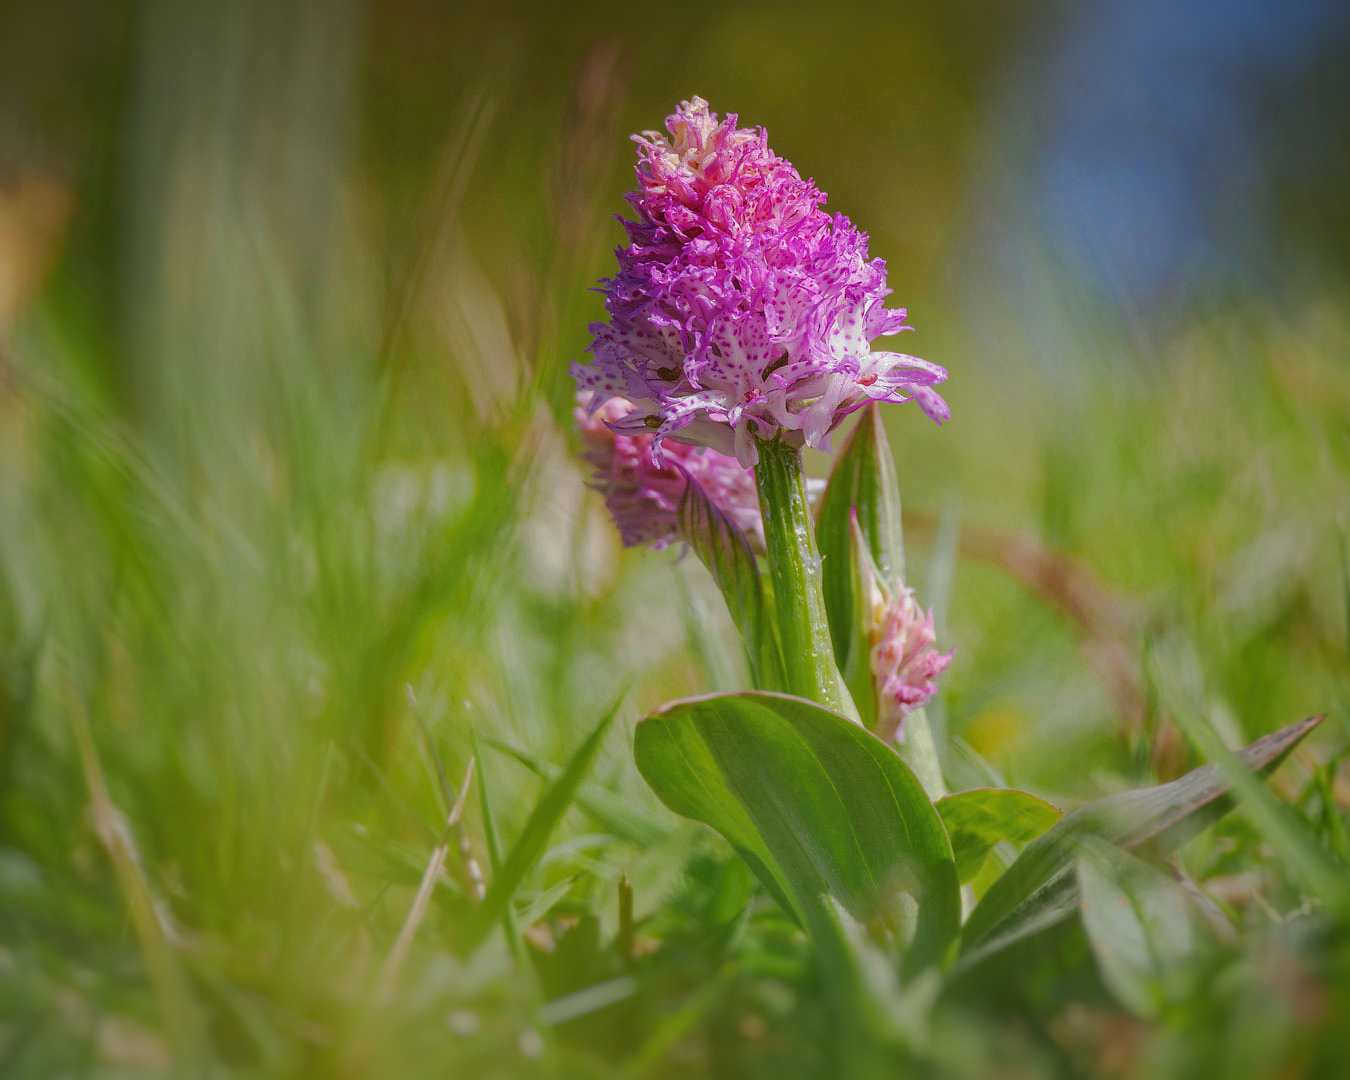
613, 813
726, 553
863, 481
529, 846
1138, 922
977, 820
1040, 888
823, 811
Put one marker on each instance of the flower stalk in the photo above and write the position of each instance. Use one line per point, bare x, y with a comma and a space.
794, 569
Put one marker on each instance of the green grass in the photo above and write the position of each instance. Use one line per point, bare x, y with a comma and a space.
292, 530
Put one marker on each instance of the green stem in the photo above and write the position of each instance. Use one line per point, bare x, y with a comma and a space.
794, 568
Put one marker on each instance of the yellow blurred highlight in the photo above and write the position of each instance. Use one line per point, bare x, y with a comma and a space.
993, 730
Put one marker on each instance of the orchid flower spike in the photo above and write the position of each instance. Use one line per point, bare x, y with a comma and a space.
741, 309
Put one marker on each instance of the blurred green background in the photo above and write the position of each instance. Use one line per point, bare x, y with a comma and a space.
289, 515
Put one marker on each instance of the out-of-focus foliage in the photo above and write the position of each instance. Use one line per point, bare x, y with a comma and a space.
291, 529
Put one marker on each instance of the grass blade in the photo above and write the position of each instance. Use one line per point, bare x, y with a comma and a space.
530, 845
1039, 889
394, 962
611, 812
148, 919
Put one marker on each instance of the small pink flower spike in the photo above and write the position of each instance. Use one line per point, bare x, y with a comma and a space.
905, 665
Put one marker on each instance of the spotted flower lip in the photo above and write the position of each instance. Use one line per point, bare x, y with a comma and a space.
643, 495
741, 309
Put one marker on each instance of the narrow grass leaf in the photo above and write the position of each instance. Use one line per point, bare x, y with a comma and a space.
591, 999
399, 953
542, 904
149, 920
1138, 922
533, 840
1175, 672
478, 927
611, 812
1286, 833
1325, 778
1040, 888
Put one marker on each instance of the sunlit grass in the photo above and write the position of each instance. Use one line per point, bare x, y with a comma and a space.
279, 557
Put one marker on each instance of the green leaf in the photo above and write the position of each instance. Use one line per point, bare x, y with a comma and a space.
1138, 922
725, 551
530, 845
735, 888
542, 904
858, 531
479, 928
823, 812
613, 813
863, 480
1176, 675
1040, 888
977, 820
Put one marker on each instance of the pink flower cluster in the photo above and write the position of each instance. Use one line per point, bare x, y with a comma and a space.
741, 308
905, 665
643, 495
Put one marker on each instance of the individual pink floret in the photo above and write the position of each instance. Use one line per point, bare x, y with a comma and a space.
643, 496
